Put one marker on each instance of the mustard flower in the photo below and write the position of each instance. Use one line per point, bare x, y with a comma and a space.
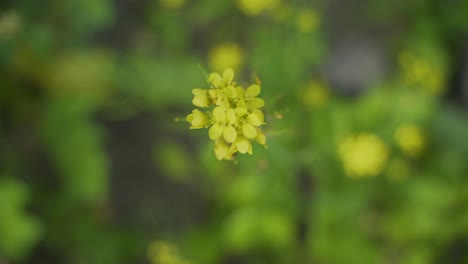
410, 139
363, 155
226, 55
233, 117
315, 94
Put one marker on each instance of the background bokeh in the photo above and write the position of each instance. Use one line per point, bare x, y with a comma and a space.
366, 125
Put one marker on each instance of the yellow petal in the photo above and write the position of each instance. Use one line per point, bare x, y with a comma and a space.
215, 79
228, 75
200, 100
259, 115
213, 93
231, 116
230, 91
215, 131
241, 111
219, 115
249, 131
197, 91
240, 91
253, 120
189, 118
221, 150
252, 91
256, 103
261, 139
243, 145
199, 119
229, 134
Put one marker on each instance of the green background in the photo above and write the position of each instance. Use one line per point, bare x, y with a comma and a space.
97, 164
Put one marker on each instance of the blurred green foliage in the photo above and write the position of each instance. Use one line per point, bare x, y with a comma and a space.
94, 168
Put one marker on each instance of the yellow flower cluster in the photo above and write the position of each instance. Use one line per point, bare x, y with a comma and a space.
234, 117
410, 139
363, 155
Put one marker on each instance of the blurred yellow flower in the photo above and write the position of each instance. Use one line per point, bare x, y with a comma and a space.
162, 252
255, 7
363, 155
227, 55
307, 20
410, 139
173, 4
315, 94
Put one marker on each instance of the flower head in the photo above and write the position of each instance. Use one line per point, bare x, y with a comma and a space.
363, 155
410, 139
233, 117
226, 55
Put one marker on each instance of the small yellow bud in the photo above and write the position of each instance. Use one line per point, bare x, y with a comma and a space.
197, 119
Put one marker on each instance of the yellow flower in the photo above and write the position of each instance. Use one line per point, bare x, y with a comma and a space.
255, 7
410, 139
315, 94
363, 155
224, 124
228, 55
197, 119
236, 117
307, 20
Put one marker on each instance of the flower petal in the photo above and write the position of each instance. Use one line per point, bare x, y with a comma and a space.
197, 91
240, 91
231, 116
252, 91
229, 134
261, 139
241, 111
199, 119
253, 120
215, 131
200, 100
215, 79
221, 150
230, 91
243, 145
259, 114
189, 118
219, 115
249, 131
228, 75
256, 103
